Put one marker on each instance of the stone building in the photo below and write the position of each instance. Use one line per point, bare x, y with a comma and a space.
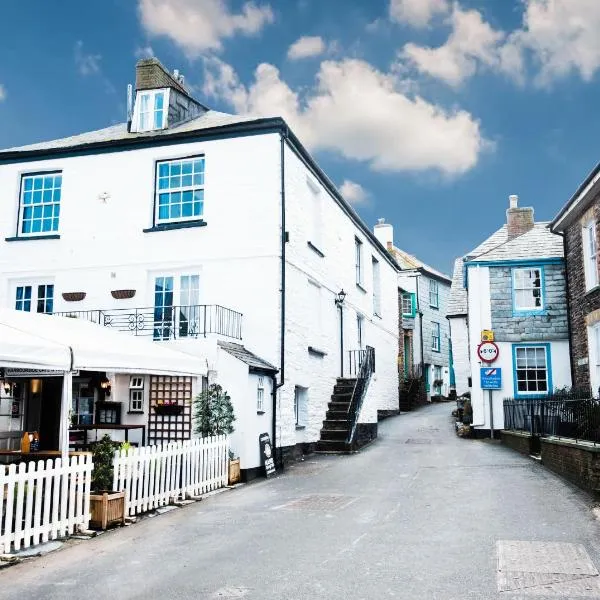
514, 286
578, 222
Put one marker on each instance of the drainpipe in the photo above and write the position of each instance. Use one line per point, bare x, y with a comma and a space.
277, 385
569, 330
420, 313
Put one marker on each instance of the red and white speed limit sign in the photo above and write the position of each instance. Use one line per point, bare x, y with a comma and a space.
488, 352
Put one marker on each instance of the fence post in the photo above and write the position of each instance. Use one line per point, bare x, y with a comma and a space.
531, 417
542, 422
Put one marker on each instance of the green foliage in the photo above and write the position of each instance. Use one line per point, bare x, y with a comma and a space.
467, 413
213, 412
125, 446
103, 455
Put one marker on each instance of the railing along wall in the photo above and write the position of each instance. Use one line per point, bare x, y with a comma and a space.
167, 322
366, 369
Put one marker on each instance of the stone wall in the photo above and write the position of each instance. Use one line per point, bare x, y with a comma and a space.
579, 462
581, 302
552, 324
517, 440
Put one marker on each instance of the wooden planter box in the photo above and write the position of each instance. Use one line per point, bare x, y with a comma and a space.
168, 410
234, 471
107, 508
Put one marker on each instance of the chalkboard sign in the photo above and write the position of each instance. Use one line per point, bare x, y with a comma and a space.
266, 454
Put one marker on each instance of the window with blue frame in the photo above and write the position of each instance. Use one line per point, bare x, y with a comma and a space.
40, 203
532, 372
180, 190
528, 293
408, 305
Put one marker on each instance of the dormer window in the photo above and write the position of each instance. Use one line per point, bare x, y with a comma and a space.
150, 111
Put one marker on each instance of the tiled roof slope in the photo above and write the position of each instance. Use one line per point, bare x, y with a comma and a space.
408, 261
539, 242
209, 119
457, 303
241, 353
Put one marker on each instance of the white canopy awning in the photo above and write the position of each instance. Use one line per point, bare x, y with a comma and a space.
37, 341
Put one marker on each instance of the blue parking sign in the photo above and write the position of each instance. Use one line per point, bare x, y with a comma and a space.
491, 378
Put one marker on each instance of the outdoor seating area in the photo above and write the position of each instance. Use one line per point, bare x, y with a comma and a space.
79, 434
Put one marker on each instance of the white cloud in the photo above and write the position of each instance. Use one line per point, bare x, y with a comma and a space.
417, 13
360, 113
2, 93
200, 25
472, 42
87, 64
144, 52
305, 47
353, 192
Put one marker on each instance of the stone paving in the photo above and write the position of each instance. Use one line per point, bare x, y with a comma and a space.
418, 514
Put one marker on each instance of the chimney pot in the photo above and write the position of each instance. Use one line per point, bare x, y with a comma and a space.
513, 201
381, 221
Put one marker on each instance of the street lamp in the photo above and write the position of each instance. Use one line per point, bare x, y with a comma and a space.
339, 302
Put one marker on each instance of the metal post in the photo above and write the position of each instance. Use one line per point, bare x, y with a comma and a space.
341, 340
66, 401
491, 415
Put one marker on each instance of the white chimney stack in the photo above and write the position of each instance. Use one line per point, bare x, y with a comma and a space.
513, 201
384, 232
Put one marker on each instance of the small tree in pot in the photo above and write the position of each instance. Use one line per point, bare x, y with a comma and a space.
214, 415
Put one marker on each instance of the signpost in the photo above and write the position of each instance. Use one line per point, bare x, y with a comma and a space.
491, 379
266, 454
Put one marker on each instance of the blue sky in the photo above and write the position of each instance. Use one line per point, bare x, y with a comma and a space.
426, 112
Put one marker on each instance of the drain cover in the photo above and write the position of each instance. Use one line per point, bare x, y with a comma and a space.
546, 569
418, 441
324, 502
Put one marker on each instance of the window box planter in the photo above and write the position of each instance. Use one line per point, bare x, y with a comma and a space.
234, 471
122, 294
107, 508
73, 296
171, 410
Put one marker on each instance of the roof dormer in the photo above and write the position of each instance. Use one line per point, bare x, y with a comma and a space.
161, 99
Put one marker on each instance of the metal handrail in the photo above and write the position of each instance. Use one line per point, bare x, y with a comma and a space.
365, 371
167, 322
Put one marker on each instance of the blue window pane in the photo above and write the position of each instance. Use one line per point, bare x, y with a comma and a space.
37, 183
163, 183
48, 210
55, 225
37, 212
57, 181
199, 195
37, 197
175, 182
27, 292
159, 101
47, 196
27, 212
28, 183
163, 212
186, 196
19, 293
56, 195
158, 119
186, 168
27, 198
199, 166
36, 226
198, 209
176, 197
48, 182
175, 211
57, 210
186, 181
26, 227
47, 225
186, 209
163, 199
163, 170
199, 179
176, 169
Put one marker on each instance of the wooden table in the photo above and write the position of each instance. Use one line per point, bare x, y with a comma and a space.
41, 455
109, 426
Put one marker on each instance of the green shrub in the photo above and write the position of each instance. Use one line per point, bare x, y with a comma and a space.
213, 412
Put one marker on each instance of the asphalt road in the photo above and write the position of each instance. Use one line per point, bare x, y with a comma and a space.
418, 514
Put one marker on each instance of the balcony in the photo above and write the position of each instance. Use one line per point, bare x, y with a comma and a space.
167, 322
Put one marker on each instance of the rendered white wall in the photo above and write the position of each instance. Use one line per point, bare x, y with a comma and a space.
459, 331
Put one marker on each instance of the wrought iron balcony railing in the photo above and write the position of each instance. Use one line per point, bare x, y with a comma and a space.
167, 322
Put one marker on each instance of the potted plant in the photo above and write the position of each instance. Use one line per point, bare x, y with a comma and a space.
467, 417
106, 505
213, 415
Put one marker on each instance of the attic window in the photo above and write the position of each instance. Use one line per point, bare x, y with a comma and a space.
151, 110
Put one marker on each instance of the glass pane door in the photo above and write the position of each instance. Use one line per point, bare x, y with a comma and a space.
163, 308
189, 309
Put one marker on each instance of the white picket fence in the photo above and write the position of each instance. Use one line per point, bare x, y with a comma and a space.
43, 500
153, 476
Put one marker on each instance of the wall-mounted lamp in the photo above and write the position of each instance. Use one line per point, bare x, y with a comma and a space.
339, 299
105, 386
6, 386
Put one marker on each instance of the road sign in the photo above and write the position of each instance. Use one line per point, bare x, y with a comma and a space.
487, 335
488, 351
491, 378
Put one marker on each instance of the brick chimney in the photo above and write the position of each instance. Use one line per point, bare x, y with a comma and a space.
518, 220
150, 74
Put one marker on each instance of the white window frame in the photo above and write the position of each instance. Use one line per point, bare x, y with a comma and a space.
358, 249
137, 113
594, 358
437, 376
590, 254
434, 294
301, 406
546, 368
260, 394
45, 198
376, 287
35, 297
136, 394
436, 337
360, 330
521, 285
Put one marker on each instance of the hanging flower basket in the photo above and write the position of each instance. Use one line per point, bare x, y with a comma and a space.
73, 296
122, 294
168, 410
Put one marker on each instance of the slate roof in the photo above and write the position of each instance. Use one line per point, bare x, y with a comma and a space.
115, 133
538, 242
408, 261
458, 301
242, 353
